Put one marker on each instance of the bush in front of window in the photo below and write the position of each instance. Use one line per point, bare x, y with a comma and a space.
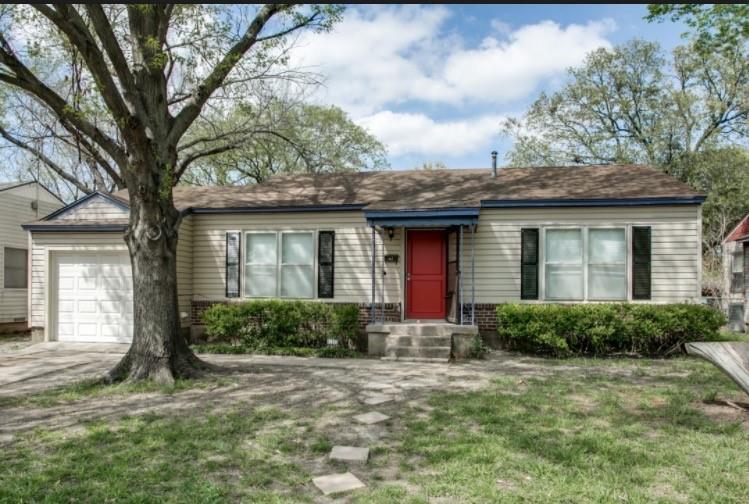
266, 323
606, 329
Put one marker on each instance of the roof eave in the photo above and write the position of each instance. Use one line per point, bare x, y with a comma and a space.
593, 202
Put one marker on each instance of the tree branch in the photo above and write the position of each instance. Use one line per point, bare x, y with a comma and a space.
215, 79
109, 41
59, 170
23, 78
69, 22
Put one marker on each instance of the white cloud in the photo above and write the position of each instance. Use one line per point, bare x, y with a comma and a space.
407, 133
381, 57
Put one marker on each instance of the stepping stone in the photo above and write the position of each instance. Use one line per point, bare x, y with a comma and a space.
370, 418
374, 400
336, 483
349, 454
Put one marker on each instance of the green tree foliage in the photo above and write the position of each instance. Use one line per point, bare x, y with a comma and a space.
712, 26
633, 104
281, 136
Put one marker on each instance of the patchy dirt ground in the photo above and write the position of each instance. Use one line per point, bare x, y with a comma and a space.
318, 398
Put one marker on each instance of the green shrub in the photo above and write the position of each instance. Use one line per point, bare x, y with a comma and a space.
605, 329
282, 324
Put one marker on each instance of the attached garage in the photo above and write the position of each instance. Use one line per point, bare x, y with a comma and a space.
93, 299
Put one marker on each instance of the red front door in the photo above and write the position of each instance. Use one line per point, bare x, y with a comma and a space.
425, 275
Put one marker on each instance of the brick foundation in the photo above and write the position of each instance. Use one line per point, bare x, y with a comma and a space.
486, 316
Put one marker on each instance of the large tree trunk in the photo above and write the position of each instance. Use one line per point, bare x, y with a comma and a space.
158, 351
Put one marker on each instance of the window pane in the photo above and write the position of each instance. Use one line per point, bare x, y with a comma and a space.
564, 281
607, 282
564, 246
297, 281
297, 248
15, 268
737, 265
261, 248
260, 281
606, 246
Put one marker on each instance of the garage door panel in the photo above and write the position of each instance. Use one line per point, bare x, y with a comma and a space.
94, 297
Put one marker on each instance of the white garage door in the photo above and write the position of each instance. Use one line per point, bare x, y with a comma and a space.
94, 297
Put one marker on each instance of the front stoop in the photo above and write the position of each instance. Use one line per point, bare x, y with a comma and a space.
416, 341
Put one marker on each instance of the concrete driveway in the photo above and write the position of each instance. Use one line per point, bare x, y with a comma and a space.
45, 365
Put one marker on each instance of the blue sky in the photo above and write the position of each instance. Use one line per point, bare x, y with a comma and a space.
434, 82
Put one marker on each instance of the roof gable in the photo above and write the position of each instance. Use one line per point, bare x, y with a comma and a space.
740, 231
95, 206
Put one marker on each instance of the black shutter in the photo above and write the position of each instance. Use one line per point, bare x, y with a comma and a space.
746, 264
233, 245
325, 264
529, 264
641, 262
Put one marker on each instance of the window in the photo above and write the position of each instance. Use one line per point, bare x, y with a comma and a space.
15, 268
564, 264
607, 264
585, 264
737, 271
279, 264
260, 270
297, 265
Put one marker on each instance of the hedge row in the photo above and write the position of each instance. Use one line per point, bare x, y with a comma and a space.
279, 323
605, 329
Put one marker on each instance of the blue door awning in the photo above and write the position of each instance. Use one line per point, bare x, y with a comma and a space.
422, 218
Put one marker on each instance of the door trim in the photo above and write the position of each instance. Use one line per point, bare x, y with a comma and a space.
406, 311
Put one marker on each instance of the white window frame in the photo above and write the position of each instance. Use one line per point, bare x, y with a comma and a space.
279, 257
625, 264
585, 240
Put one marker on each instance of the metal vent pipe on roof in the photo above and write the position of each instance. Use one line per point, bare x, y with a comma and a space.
494, 163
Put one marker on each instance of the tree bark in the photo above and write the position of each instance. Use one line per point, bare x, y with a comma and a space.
158, 351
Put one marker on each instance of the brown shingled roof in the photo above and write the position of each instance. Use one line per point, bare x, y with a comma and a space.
425, 189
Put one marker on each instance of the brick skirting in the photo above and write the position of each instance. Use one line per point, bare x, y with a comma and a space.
486, 316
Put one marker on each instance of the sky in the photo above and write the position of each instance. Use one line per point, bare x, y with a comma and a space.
433, 83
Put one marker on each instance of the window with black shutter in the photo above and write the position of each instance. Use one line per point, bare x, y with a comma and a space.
233, 241
641, 246
529, 263
325, 264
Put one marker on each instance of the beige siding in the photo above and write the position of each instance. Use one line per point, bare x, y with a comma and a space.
676, 263
352, 251
44, 242
15, 209
97, 208
184, 268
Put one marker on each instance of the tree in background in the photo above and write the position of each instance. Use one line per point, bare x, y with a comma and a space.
283, 136
142, 77
712, 26
631, 104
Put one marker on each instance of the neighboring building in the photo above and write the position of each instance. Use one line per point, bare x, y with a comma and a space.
531, 235
735, 268
20, 202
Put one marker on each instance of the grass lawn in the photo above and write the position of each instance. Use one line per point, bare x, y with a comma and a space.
593, 430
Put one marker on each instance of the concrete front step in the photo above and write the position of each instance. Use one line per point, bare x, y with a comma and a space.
418, 329
408, 352
397, 340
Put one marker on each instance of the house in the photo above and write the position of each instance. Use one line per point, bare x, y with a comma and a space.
429, 245
20, 202
735, 252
